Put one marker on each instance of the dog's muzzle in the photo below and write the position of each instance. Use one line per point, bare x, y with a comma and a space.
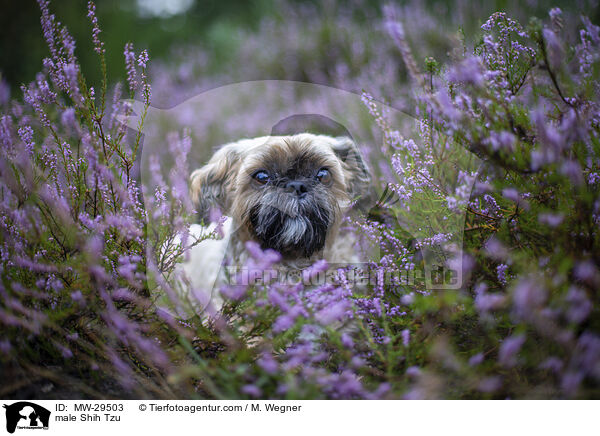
295, 228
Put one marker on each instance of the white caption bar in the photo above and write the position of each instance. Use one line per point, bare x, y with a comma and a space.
149, 418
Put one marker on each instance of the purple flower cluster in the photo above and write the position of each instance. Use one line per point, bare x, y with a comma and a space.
531, 127
98, 45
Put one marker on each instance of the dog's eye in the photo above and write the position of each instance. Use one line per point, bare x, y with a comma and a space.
261, 177
324, 176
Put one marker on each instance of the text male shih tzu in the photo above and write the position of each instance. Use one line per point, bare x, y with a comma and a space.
287, 193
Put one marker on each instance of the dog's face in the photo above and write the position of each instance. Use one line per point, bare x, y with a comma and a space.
286, 192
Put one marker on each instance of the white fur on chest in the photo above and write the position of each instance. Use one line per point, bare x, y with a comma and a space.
202, 273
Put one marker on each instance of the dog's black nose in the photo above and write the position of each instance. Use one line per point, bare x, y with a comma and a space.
299, 187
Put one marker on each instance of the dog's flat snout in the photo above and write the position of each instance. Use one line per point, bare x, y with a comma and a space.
300, 187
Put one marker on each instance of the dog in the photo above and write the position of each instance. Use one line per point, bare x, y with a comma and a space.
286, 193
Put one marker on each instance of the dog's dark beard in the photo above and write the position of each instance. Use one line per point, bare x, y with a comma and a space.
291, 234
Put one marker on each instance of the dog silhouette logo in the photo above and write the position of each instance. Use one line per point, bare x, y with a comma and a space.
26, 415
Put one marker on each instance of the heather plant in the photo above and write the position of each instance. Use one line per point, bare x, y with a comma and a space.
73, 239
525, 101
92, 306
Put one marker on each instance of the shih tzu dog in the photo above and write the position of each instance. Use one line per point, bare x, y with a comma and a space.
287, 193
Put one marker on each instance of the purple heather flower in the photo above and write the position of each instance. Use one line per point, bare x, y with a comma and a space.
252, 390
490, 384
357, 362
528, 295
509, 349
476, 359
4, 91
585, 50
586, 271
268, 363
215, 215
511, 194
347, 341
501, 272
98, 45
126, 377
285, 321
485, 302
67, 117
461, 264
6, 129
502, 141
587, 354
447, 106
380, 392
234, 292
393, 26
26, 135
77, 296
143, 58
468, 71
495, 249
268, 257
491, 204
123, 294
333, 312
130, 66
127, 266
555, 48
315, 270
408, 299
277, 300
405, 337
48, 27
553, 364
66, 353
550, 219
579, 305
555, 14
572, 170
5, 346
571, 381
413, 371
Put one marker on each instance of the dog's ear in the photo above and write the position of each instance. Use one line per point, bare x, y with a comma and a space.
357, 176
210, 185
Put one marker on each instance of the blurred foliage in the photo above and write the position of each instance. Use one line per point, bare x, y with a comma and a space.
210, 21
210, 24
